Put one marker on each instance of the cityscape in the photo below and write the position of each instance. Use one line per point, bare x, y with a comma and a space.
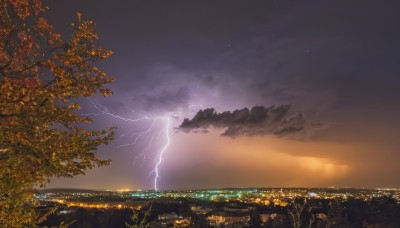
231, 207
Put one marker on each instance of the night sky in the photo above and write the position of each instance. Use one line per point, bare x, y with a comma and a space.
333, 65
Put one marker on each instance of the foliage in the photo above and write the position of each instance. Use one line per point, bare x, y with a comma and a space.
336, 213
297, 212
41, 76
140, 219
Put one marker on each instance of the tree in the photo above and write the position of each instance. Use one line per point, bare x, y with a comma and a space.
336, 214
297, 211
140, 219
41, 77
297, 208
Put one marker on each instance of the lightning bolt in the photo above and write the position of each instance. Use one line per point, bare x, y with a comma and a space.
136, 136
160, 158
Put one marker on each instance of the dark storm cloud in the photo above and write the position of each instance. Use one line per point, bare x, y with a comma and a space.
167, 99
321, 48
259, 120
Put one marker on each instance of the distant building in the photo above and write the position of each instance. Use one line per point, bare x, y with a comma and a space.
172, 219
229, 218
66, 211
201, 209
266, 217
236, 209
312, 194
279, 202
167, 216
182, 222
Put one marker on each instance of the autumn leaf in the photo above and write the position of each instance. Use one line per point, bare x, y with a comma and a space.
41, 134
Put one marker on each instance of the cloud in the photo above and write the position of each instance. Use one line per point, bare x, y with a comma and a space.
259, 120
167, 99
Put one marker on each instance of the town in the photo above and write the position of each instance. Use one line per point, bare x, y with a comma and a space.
236, 207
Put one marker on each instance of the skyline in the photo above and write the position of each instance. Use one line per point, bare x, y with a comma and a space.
334, 63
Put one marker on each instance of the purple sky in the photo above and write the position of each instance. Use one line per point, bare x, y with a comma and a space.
336, 62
